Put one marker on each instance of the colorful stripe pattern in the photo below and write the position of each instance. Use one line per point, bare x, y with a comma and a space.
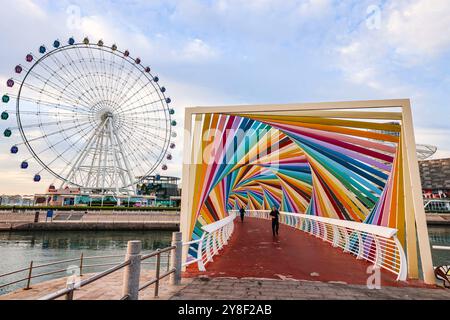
332, 167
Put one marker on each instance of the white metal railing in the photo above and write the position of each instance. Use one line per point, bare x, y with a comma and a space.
215, 236
376, 244
436, 205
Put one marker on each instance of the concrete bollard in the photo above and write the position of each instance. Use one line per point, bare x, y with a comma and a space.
176, 258
132, 271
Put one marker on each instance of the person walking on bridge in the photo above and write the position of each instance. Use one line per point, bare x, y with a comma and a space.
242, 212
275, 221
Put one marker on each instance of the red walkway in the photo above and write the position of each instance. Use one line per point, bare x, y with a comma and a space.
253, 252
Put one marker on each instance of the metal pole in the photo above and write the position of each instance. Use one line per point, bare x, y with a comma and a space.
29, 276
81, 264
132, 271
158, 262
176, 258
69, 295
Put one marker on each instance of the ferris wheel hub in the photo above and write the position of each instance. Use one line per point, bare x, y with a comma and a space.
107, 115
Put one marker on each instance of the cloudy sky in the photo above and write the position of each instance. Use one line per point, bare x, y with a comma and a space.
253, 51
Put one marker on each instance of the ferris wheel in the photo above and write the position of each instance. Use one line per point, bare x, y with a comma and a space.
91, 115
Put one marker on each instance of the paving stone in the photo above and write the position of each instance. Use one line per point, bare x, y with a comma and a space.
313, 290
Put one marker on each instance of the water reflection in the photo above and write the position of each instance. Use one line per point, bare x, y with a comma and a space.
78, 240
17, 249
440, 236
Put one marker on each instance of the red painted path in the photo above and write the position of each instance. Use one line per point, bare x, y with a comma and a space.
252, 251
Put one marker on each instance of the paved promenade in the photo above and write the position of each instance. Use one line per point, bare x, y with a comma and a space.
271, 289
206, 288
108, 288
253, 252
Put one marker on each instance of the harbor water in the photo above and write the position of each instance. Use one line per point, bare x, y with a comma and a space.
17, 249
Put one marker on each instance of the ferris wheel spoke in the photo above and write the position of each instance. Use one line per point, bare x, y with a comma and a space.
40, 102
139, 113
117, 80
47, 135
64, 67
85, 75
72, 95
132, 127
51, 94
142, 105
127, 82
150, 142
131, 152
63, 88
46, 113
116, 83
70, 147
108, 75
86, 69
80, 76
139, 147
124, 97
147, 121
41, 124
97, 72
143, 139
133, 101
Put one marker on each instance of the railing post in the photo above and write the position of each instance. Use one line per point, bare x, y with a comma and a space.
200, 263
69, 295
403, 270
132, 271
81, 264
360, 246
208, 248
347, 241
325, 232
335, 236
176, 258
214, 237
29, 276
225, 234
158, 264
378, 257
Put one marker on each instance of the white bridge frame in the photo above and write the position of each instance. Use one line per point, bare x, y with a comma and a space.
417, 242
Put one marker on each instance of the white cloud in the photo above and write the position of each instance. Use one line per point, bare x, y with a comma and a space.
411, 33
419, 28
198, 50
314, 8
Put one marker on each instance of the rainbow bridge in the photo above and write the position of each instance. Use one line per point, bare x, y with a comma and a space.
344, 176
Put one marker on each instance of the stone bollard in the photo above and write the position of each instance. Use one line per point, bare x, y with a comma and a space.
132, 271
176, 258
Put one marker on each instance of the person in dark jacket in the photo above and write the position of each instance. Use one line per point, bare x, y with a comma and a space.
275, 214
242, 212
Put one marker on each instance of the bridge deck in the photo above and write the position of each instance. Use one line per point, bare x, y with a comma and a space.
253, 252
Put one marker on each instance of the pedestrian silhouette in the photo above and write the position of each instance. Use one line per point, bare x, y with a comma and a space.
242, 212
275, 221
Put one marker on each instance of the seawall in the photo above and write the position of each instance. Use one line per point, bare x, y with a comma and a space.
90, 226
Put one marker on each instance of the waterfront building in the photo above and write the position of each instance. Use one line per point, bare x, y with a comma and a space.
435, 177
165, 188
